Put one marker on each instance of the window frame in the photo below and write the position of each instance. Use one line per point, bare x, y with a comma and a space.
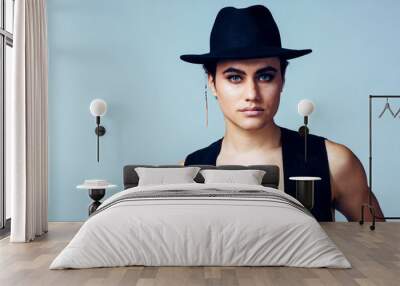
6, 39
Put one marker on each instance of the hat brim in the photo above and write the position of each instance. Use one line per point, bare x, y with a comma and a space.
245, 53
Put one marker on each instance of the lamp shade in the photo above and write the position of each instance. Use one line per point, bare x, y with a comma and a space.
98, 107
305, 107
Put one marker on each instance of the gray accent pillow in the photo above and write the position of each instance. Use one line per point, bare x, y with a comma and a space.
161, 176
248, 177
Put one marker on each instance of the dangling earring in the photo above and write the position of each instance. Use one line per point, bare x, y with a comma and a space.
205, 95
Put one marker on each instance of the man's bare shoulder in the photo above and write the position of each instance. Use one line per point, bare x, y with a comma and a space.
339, 155
347, 172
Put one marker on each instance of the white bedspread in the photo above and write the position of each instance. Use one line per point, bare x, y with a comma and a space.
190, 230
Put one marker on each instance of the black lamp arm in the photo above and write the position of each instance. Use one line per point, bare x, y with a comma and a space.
100, 131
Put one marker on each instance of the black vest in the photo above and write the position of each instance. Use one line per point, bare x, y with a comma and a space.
293, 165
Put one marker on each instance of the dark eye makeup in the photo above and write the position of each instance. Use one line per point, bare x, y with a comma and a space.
264, 77
234, 78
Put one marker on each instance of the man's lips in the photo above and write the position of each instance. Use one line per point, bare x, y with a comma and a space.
252, 111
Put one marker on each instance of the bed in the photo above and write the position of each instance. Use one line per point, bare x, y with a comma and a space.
201, 224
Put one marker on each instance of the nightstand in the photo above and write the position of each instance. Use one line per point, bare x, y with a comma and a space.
305, 190
97, 190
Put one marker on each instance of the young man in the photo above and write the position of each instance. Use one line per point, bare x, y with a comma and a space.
246, 72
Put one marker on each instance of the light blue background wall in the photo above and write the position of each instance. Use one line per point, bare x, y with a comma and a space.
127, 53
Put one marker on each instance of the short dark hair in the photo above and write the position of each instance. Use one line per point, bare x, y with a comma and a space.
211, 68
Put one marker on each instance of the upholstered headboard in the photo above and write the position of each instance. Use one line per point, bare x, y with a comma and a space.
270, 179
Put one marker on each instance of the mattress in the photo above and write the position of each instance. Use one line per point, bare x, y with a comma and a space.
201, 225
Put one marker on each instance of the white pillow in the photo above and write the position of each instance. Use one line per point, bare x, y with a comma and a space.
249, 177
161, 176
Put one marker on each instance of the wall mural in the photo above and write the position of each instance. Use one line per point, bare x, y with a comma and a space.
218, 83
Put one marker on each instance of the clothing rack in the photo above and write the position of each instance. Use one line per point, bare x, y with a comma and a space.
369, 205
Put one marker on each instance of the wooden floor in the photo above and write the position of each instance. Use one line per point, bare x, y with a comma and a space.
374, 255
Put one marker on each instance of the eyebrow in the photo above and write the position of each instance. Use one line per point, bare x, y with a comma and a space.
264, 69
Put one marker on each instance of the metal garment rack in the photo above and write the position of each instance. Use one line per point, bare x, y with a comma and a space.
369, 205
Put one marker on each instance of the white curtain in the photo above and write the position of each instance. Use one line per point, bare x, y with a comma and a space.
27, 123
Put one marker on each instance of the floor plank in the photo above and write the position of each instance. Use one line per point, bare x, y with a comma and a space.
374, 255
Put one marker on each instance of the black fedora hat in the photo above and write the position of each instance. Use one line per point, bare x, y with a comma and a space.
243, 34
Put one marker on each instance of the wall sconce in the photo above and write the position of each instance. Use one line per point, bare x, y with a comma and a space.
98, 107
305, 108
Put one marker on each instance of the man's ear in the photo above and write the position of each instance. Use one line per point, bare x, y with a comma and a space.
211, 84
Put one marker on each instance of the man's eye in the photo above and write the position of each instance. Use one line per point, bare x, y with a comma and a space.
265, 77
234, 78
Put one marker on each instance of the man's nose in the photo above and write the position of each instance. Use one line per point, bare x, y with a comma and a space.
252, 91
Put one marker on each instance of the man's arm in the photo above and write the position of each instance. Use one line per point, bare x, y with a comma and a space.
349, 183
